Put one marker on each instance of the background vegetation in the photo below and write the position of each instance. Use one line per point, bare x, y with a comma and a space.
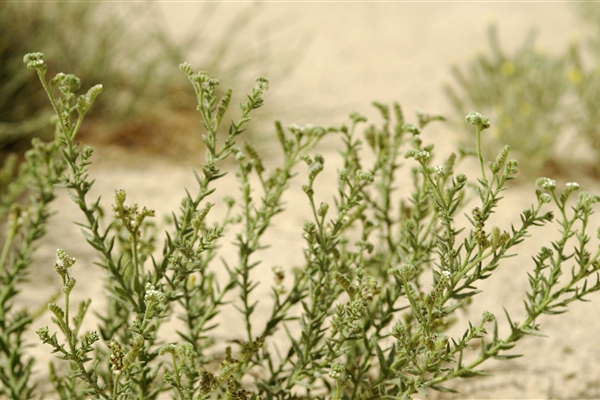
133, 57
543, 105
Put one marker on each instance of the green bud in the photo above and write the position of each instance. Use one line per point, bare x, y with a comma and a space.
411, 128
92, 93
336, 371
136, 346
546, 183
120, 196
167, 348
344, 282
478, 120
68, 286
314, 169
398, 330
69, 84
306, 158
586, 200
296, 131
186, 68
308, 190
323, 208
404, 271
230, 201
356, 309
261, 83
309, 227
364, 176
439, 171
153, 296
63, 259
487, 317
43, 333
57, 311
343, 174
570, 188
544, 198
87, 152
35, 61
356, 118
512, 167
494, 167
411, 153
422, 156
501, 158
93, 337
199, 216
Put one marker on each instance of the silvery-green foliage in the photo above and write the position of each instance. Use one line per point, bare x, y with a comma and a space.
366, 312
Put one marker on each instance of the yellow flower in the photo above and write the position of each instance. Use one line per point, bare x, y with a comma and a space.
575, 76
508, 68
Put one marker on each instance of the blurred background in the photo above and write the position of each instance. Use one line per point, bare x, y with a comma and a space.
531, 67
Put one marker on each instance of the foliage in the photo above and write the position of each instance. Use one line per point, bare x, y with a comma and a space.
368, 311
43, 26
536, 100
522, 93
143, 103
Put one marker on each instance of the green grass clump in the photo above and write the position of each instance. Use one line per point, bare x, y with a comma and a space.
366, 313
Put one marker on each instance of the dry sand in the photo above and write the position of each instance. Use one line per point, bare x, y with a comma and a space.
356, 53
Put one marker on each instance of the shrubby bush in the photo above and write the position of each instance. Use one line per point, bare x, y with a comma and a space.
369, 309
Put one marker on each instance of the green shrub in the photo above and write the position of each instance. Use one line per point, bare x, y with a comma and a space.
102, 56
369, 308
143, 104
523, 94
543, 106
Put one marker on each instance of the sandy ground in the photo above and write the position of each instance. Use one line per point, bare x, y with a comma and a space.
356, 53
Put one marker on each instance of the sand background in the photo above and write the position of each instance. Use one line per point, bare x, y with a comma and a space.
352, 54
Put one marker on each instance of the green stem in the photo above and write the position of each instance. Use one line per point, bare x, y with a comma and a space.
480, 156
12, 231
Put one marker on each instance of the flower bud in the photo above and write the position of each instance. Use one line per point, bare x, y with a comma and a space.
478, 120
487, 317
411, 128
323, 208
35, 61
404, 271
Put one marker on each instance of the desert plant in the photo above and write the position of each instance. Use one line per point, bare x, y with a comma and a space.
583, 115
143, 104
22, 110
523, 94
25, 225
536, 100
368, 311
